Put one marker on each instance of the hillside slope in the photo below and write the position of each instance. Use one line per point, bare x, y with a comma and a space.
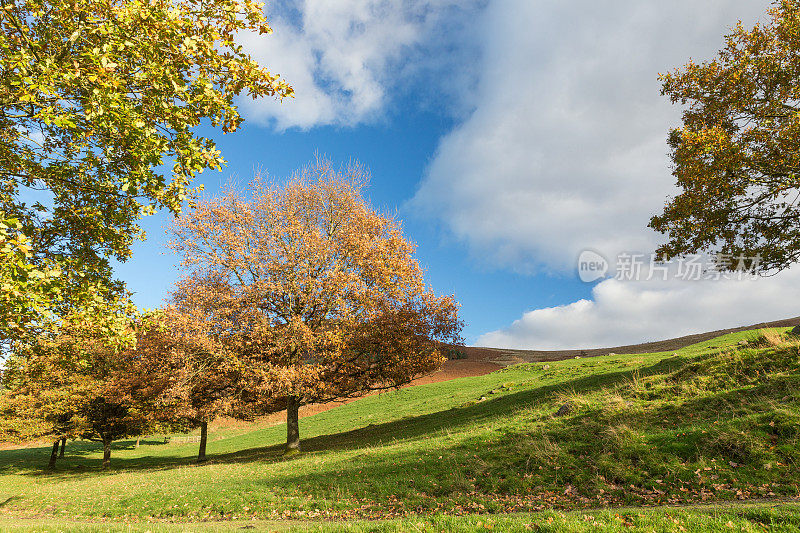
703, 424
508, 356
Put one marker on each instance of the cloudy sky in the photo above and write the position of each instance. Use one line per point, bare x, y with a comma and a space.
508, 136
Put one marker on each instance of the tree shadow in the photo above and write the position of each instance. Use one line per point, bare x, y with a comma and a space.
78, 458
503, 454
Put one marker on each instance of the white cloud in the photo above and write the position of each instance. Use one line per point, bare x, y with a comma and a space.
566, 148
343, 58
622, 312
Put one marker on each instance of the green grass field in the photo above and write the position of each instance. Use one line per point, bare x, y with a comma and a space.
715, 422
716, 518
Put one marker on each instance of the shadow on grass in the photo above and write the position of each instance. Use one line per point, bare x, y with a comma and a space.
31, 461
581, 453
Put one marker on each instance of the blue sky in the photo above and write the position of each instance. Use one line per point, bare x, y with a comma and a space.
508, 136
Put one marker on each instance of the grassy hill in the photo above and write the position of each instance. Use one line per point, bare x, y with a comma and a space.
715, 421
509, 355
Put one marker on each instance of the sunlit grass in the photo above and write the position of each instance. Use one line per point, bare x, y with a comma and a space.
716, 421
779, 517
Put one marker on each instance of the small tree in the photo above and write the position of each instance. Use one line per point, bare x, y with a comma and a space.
180, 373
317, 294
737, 155
106, 420
61, 384
20, 422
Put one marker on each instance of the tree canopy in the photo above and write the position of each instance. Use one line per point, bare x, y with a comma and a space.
315, 292
736, 156
97, 98
181, 374
65, 383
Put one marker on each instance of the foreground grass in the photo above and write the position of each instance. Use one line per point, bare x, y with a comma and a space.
715, 421
713, 519
742, 517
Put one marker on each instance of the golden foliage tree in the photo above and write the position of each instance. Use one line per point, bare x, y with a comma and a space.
736, 156
180, 374
63, 384
315, 292
95, 96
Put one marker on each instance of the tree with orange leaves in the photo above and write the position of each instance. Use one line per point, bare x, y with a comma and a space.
736, 155
315, 293
180, 374
62, 383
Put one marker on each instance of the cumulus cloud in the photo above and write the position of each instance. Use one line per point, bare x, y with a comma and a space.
566, 149
625, 312
344, 58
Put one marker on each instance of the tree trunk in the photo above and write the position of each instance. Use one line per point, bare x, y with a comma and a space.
63, 445
292, 425
53, 456
137, 442
201, 455
106, 452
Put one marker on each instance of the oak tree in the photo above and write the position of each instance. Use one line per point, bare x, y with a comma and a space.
736, 156
99, 105
317, 294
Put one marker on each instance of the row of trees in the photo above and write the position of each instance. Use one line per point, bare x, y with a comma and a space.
294, 294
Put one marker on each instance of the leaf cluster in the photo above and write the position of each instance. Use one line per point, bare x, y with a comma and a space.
736, 155
96, 99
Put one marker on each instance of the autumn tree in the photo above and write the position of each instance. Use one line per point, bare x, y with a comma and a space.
96, 98
61, 385
180, 374
736, 156
316, 293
